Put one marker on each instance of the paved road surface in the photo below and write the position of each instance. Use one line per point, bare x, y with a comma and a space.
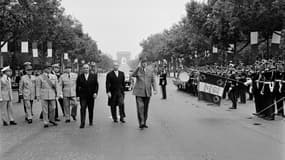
181, 128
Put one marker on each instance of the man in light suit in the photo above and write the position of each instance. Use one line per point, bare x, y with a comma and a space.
145, 83
115, 84
47, 90
27, 91
6, 97
67, 83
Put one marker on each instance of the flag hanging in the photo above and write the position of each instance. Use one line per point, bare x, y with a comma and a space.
215, 50
65, 56
276, 37
49, 49
211, 88
25, 47
35, 49
4, 48
253, 38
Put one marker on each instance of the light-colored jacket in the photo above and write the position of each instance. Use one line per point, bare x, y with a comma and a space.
67, 83
27, 87
145, 82
43, 90
6, 93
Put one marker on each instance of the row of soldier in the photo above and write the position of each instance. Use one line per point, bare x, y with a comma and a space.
263, 82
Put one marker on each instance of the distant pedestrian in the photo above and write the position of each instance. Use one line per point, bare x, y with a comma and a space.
163, 82
145, 83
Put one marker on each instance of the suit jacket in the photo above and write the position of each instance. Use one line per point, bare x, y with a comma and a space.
67, 83
44, 90
163, 79
145, 82
6, 93
87, 88
115, 84
27, 87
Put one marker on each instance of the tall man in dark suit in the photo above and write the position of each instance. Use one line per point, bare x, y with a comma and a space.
145, 82
115, 82
86, 90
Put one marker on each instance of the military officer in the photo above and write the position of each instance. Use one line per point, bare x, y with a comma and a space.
233, 90
278, 88
27, 90
6, 97
56, 71
67, 83
47, 90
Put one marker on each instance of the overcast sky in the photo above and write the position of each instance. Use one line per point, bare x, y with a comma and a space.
120, 25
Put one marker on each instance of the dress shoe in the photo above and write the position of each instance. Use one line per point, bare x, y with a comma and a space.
82, 126
67, 121
57, 120
46, 126
26, 119
30, 121
90, 124
53, 123
141, 127
73, 117
13, 123
5, 123
145, 126
232, 108
122, 120
115, 121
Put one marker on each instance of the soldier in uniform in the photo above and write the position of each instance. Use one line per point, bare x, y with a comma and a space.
27, 91
47, 90
163, 82
256, 89
56, 71
6, 97
278, 91
67, 83
267, 94
233, 90
26, 64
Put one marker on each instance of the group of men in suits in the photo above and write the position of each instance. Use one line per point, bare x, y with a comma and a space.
50, 86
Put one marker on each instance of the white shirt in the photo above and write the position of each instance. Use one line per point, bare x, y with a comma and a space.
117, 73
86, 76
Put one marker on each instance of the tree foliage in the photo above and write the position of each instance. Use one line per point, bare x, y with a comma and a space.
221, 24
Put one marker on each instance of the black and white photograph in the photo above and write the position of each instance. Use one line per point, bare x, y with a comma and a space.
142, 80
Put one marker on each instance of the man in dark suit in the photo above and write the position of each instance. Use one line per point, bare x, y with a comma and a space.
115, 82
163, 82
145, 83
86, 90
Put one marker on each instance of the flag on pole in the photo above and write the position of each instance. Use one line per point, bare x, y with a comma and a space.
211, 88
49, 49
25, 47
276, 37
215, 50
4, 48
65, 56
35, 49
253, 38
